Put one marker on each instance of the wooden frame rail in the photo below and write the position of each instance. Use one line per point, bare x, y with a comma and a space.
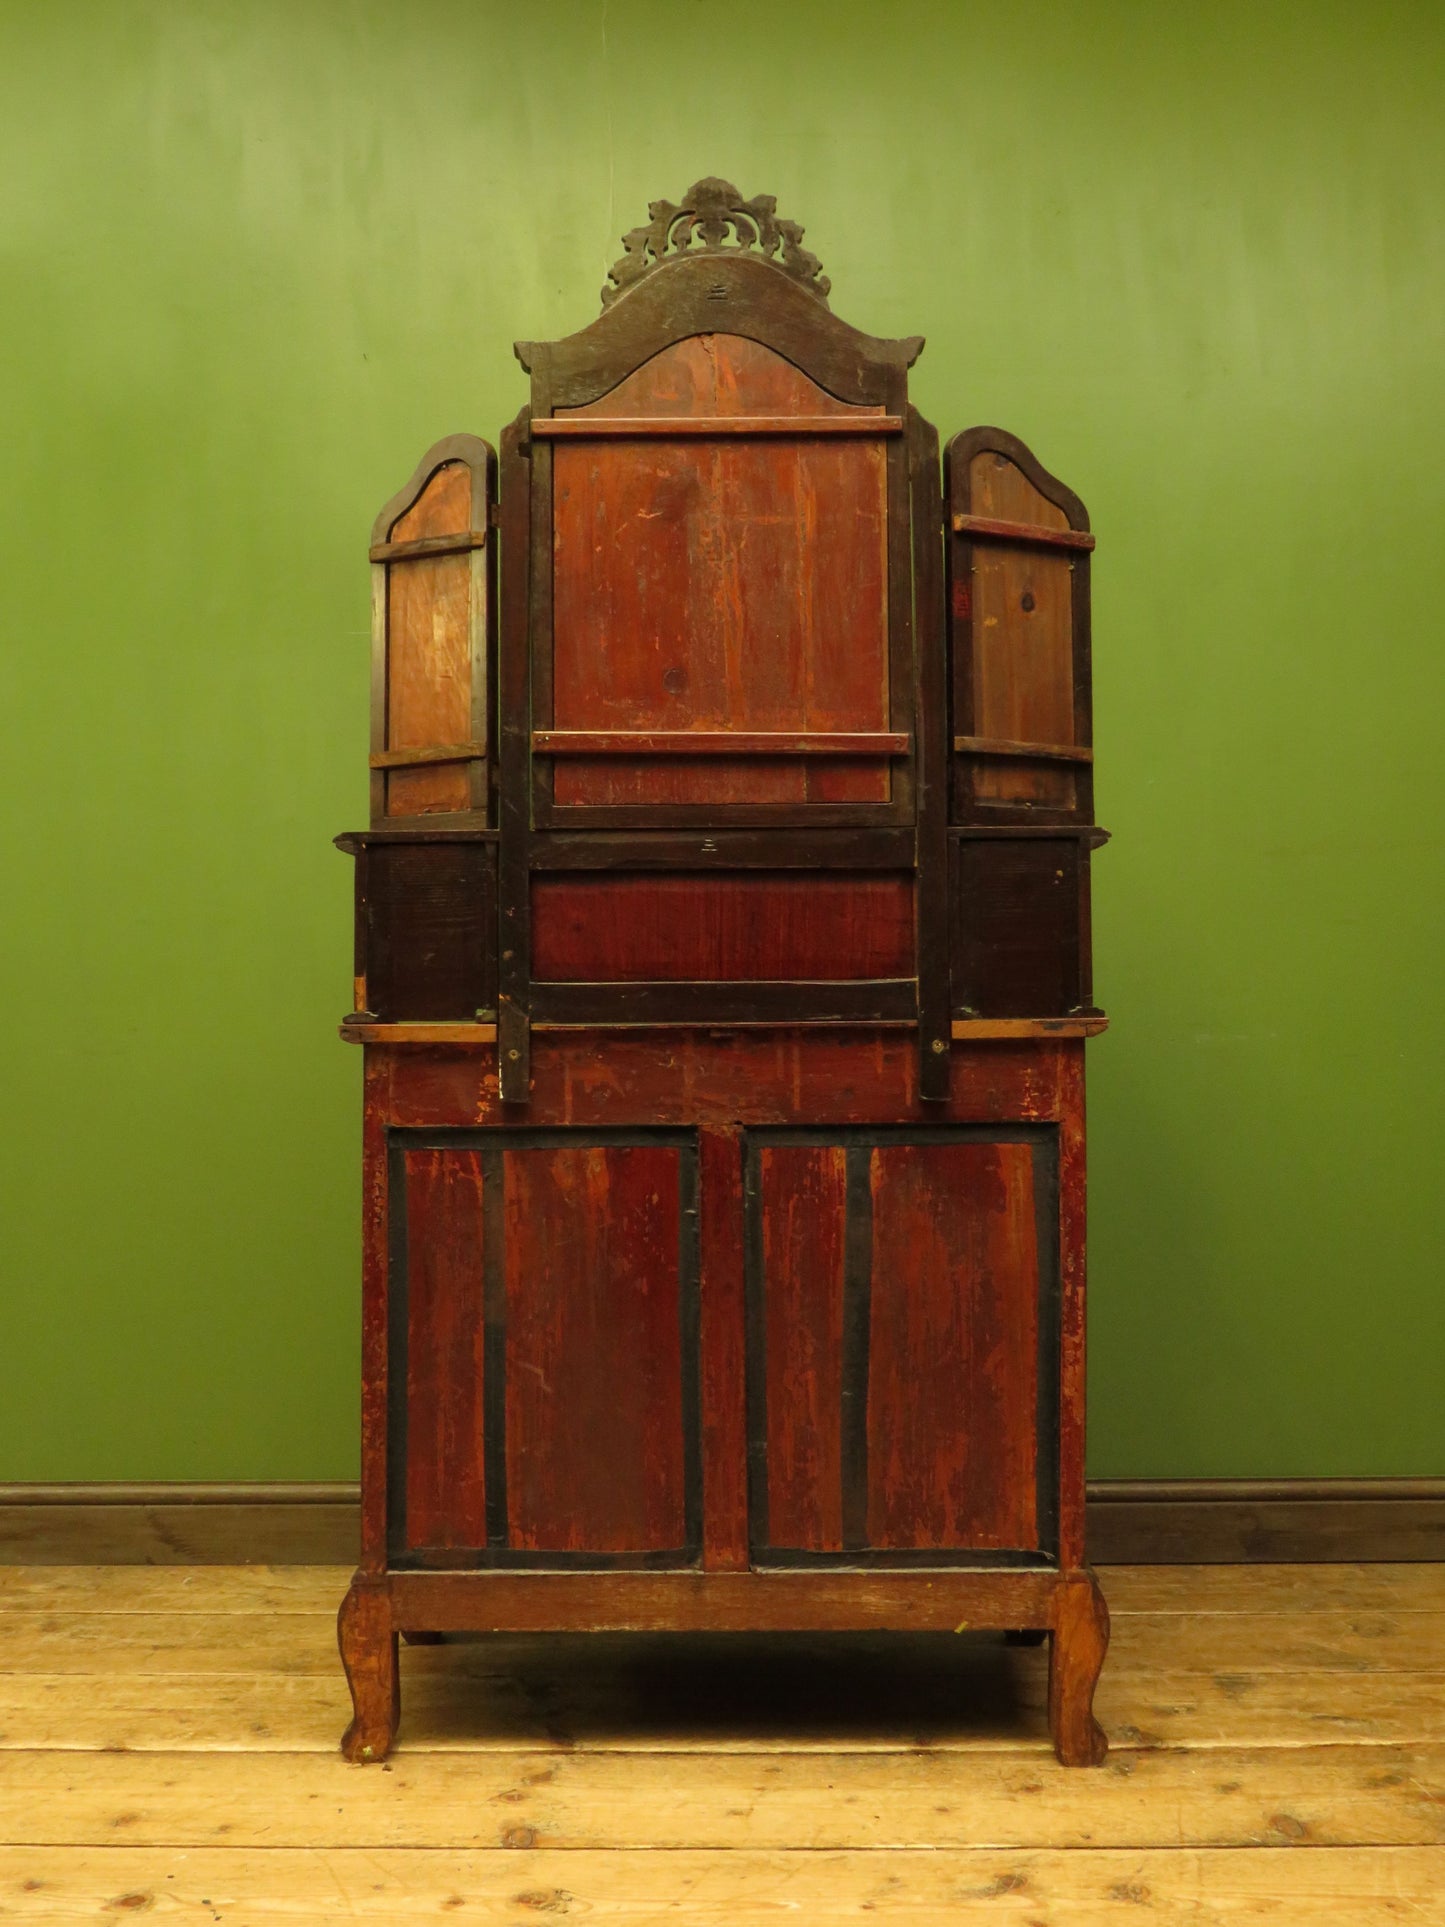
988, 528
1023, 752
719, 742
595, 427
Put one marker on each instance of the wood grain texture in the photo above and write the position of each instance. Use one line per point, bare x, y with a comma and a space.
721, 1319
953, 1347
369, 1654
1023, 671
547, 1797
288, 1631
429, 634
802, 1200
445, 1475
773, 925
431, 930
1338, 1593
595, 1443
696, 1077
1369, 1886
1017, 942
720, 584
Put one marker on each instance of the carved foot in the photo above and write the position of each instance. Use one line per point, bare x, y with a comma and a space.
368, 1652
1081, 1639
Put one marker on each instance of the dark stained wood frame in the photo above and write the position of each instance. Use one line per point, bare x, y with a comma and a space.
480, 458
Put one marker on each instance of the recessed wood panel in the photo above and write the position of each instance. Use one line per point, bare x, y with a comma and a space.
802, 1205
595, 1425
1017, 934
445, 1473
1023, 665
429, 649
431, 931
772, 925
735, 583
952, 1347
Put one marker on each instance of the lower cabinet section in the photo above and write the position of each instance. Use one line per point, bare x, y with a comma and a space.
902, 1345
900, 1296
543, 1349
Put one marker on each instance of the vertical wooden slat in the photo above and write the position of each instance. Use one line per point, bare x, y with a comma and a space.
1072, 1362
934, 1033
514, 752
721, 1338
375, 1263
803, 1197
446, 1501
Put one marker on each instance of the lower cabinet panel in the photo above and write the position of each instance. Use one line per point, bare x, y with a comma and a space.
899, 1322
903, 1345
543, 1348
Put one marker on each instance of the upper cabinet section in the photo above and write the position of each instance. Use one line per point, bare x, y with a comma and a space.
1018, 550
720, 589
431, 628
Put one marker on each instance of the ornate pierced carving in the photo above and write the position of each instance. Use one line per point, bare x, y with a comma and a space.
701, 222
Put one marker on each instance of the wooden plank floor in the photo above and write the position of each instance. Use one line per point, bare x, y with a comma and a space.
168, 1746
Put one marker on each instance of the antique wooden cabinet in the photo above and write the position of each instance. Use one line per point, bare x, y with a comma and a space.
722, 976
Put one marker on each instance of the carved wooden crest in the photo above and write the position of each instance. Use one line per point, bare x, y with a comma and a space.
701, 222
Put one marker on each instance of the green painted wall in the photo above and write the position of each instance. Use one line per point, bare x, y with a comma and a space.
256, 257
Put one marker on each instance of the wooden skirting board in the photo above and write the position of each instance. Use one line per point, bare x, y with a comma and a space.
1131, 1522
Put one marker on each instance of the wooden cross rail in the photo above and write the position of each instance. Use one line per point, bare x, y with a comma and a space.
457, 544
986, 528
414, 758
719, 742
1023, 752
591, 427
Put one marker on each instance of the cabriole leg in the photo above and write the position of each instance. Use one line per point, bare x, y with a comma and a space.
1080, 1641
368, 1652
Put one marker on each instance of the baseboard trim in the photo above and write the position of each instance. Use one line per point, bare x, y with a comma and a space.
1131, 1522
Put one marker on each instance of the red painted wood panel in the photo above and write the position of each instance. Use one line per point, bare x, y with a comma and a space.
825, 1075
719, 584
803, 1201
722, 1324
593, 1241
609, 928
953, 1347
445, 1489
429, 669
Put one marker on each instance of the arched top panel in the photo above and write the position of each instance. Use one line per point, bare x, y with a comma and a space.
703, 294
723, 376
1014, 486
456, 502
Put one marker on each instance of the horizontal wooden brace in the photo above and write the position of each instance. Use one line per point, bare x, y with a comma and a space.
972, 1030
719, 742
986, 528
419, 1033
441, 753
928, 1600
598, 427
1023, 752
457, 544
864, 1000
822, 850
